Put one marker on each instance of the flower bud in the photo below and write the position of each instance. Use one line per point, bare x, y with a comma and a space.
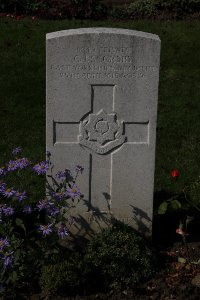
175, 173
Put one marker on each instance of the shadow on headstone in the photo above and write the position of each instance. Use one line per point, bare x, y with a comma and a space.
83, 231
85, 228
141, 219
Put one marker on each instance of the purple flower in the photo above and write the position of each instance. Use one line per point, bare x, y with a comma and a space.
73, 192
43, 204
41, 168
61, 174
49, 206
8, 193
27, 209
4, 243
20, 196
12, 165
59, 195
16, 150
79, 169
62, 231
19, 163
2, 171
53, 210
23, 162
8, 260
2, 187
8, 211
64, 175
46, 229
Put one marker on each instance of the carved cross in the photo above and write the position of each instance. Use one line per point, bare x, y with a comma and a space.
102, 133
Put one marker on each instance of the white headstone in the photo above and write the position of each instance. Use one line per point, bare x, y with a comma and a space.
102, 90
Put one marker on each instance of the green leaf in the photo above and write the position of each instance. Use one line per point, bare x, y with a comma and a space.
11, 228
181, 225
162, 208
196, 262
182, 260
17, 254
175, 204
14, 276
20, 223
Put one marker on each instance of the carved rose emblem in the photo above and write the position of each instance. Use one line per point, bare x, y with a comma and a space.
101, 132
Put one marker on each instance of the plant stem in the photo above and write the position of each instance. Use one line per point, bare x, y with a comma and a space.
187, 249
190, 202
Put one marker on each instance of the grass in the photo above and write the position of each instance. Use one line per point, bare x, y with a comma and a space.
22, 93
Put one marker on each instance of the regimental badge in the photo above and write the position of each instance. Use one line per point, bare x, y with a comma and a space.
101, 132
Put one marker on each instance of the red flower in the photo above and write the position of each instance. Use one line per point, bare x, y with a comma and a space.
175, 173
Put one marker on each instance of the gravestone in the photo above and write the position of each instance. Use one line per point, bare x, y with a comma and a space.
102, 90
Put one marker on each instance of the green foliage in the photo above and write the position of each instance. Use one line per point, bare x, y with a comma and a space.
63, 275
151, 8
142, 8
120, 255
162, 209
118, 13
169, 205
117, 257
88, 8
30, 232
193, 191
56, 8
179, 6
21, 6
98, 9
182, 200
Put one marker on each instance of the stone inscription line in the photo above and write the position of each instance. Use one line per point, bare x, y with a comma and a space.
93, 218
103, 59
87, 70
103, 49
96, 67
101, 75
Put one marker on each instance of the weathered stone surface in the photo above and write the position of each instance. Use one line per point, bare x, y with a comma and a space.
102, 89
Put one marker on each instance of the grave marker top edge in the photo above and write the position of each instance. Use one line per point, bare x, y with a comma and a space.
102, 30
